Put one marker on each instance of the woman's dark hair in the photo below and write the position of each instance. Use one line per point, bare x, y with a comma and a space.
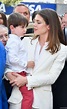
33, 15
4, 18
65, 35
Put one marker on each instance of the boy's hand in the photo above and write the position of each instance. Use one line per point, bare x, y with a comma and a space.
30, 64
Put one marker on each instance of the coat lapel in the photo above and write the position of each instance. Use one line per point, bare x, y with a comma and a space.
31, 50
43, 60
44, 57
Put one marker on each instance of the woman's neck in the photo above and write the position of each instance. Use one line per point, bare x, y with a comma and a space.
42, 40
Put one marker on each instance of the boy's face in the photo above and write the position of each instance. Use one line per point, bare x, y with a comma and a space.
20, 31
3, 36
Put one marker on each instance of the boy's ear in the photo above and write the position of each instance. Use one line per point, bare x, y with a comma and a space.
11, 27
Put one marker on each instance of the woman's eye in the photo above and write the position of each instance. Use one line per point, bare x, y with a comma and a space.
39, 22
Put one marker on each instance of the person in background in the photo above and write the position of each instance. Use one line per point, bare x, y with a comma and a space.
24, 10
49, 57
17, 59
3, 19
64, 21
59, 88
64, 26
3, 30
3, 97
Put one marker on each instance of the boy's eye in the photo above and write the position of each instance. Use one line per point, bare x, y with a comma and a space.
22, 26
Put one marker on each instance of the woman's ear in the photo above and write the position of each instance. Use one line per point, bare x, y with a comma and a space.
48, 27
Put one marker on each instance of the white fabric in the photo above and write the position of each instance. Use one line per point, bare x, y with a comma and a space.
16, 96
15, 106
48, 68
66, 53
16, 54
45, 73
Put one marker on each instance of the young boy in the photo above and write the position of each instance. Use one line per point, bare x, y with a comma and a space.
17, 56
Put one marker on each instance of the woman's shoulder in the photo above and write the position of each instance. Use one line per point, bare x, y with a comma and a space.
63, 47
27, 39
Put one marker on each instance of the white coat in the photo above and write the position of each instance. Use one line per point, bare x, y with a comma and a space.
44, 74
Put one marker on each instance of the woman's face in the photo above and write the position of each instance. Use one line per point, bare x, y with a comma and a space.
40, 26
1, 20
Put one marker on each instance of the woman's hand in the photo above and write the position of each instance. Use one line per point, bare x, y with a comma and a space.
10, 76
19, 81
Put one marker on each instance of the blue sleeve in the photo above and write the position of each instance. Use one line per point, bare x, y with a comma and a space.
2, 61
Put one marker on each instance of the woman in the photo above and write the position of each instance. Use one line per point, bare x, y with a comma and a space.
49, 56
